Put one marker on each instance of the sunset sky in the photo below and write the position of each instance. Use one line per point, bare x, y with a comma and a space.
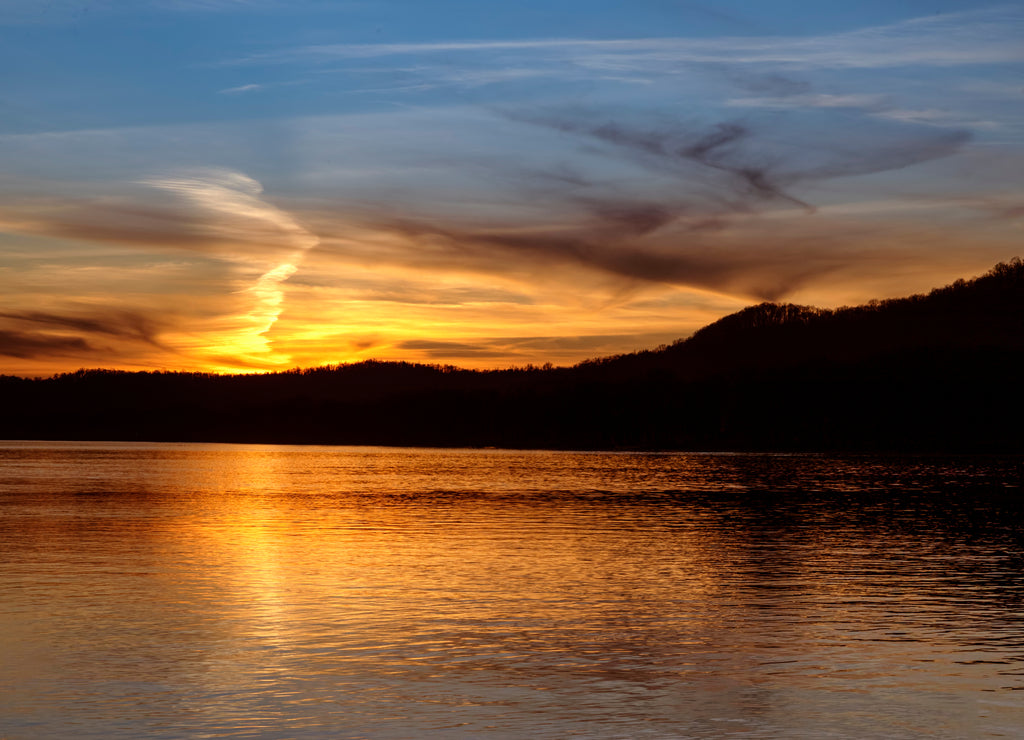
251, 185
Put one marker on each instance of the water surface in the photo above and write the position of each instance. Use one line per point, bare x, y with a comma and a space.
166, 590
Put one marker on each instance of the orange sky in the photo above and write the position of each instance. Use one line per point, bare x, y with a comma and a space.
545, 196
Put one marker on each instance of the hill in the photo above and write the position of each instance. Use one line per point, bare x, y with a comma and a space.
928, 372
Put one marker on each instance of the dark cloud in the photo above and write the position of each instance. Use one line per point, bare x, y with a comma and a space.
586, 343
526, 348
100, 220
895, 152
693, 264
171, 223
703, 231
122, 324
757, 169
758, 259
680, 206
445, 347
632, 218
109, 334
30, 345
442, 350
724, 148
363, 344
717, 149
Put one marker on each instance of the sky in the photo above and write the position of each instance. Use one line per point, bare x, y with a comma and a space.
257, 185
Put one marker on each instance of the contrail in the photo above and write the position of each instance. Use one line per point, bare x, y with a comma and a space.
243, 217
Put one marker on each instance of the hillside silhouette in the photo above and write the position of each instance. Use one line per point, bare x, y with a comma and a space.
929, 372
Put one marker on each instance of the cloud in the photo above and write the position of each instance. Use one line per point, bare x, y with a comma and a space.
525, 349
31, 345
140, 336
809, 100
742, 261
235, 197
876, 105
718, 148
643, 199
988, 36
740, 230
613, 196
252, 87
936, 117
754, 170
637, 197
733, 172
131, 325
139, 219
216, 212
447, 349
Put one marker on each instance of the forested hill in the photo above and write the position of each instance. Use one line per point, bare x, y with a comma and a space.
930, 372
985, 314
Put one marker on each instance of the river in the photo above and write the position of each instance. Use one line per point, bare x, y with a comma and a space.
245, 591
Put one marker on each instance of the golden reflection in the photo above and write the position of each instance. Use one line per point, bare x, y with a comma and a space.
279, 589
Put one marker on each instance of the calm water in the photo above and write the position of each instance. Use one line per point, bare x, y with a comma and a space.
165, 590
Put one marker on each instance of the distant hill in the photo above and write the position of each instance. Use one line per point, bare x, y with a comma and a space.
930, 372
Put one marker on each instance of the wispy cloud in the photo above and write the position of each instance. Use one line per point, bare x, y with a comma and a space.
252, 87
815, 100
131, 325
219, 214
526, 349
31, 345
236, 197
476, 196
988, 36
936, 117
632, 197
89, 334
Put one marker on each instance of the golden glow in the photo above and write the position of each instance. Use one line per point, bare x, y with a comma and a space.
243, 285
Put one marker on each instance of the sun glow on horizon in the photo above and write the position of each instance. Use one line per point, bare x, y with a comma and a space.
500, 195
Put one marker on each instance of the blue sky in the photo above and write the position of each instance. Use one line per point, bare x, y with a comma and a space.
95, 64
251, 184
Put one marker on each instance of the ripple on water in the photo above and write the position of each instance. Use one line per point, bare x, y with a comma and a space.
259, 591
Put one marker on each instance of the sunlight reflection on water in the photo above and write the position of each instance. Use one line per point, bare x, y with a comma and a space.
258, 591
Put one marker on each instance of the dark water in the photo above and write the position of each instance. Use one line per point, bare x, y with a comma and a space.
246, 591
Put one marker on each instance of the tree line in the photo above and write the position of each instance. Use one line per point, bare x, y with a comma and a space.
928, 372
